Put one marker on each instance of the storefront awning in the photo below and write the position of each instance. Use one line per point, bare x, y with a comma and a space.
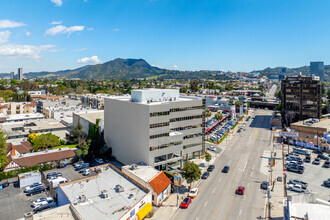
144, 211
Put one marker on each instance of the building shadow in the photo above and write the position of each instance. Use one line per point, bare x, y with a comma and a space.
261, 121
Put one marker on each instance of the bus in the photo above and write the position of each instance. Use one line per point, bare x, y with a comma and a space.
301, 151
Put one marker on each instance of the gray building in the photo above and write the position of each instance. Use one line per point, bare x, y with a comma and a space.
20, 73
317, 69
155, 126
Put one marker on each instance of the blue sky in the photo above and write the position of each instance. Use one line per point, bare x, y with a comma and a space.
237, 35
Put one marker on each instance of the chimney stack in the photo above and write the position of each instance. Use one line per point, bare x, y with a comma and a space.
13, 151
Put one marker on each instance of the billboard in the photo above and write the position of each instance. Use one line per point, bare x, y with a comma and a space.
177, 181
289, 134
271, 161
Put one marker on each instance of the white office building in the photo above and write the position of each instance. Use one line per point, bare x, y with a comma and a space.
155, 126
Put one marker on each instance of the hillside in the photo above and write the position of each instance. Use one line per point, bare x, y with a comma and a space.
123, 69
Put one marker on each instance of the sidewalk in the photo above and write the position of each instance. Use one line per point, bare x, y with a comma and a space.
170, 206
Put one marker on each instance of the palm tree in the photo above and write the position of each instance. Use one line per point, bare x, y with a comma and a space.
238, 103
218, 116
207, 114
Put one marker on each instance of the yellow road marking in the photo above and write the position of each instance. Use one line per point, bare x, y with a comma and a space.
255, 138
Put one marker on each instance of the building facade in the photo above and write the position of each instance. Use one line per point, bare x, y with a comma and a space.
20, 73
13, 108
154, 126
301, 98
317, 69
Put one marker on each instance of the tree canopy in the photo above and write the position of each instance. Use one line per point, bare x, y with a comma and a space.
191, 172
44, 141
75, 133
3, 146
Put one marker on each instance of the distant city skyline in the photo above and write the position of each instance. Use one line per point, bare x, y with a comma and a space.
236, 35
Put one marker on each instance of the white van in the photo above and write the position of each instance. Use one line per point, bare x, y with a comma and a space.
54, 182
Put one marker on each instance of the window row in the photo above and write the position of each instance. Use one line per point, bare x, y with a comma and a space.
156, 114
185, 109
191, 145
192, 136
186, 127
152, 148
158, 125
185, 118
159, 135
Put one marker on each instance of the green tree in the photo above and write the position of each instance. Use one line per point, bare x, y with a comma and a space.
3, 150
238, 103
84, 148
44, 141
218, 116
191, 172
208, 157
75, 133
208, 114
231, 101
194, 85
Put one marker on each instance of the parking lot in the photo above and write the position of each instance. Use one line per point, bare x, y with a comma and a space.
314, 175
14, 203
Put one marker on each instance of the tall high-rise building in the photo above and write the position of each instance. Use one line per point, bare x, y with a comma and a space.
12, 75
317, 69
155, 126
20, 73
301, 98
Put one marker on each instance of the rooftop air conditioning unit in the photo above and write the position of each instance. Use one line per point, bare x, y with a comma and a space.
82, 198
104, 194
133, 166
28, 216
130, 196
119, 188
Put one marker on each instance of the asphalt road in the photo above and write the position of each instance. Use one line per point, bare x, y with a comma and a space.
216, 198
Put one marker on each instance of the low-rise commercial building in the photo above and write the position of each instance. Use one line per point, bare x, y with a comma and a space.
154, 180
108, 195
93, 101
59, 103
13, 108
19, 131
86, 119
155, 126
20, 117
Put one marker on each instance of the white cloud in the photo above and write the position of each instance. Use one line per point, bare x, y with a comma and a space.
175, 67
56, 22
60, 29
23, 51
81, 49
57, 50
93, 59
10, 24
4, 36
57, 2
90, 29
116, 30
28, 33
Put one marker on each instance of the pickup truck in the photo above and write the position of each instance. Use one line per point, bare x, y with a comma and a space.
296, 188
296, 169
298, 181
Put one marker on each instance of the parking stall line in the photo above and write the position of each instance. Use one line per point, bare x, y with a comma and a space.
219, 180
240, 212
205, 204
213, 190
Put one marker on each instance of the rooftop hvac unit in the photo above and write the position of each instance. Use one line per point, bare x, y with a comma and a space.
104, 194
28, 216
133, 166
82, 198
119, 188
130, 196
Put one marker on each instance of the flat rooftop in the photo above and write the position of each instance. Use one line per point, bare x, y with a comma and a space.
314, 211
324, 123
91, 116
145, 172
23, 128
99, 208
22, 116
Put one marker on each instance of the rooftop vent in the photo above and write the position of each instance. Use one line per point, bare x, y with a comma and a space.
104, 194
82, 198
119, 188
28, 216
130, 196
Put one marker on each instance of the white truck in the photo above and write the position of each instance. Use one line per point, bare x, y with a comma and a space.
54, 182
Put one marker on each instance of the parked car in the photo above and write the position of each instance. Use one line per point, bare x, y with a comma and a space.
193, 192
295, 169
323, 157
4, 185
296, 188
317, 161
47, 200
307, 159
186, 202
99, 161
35, 190
225, 169
210, 168
32, 186
41, 207
51, 175
326, 164
205, 175
264, 185
298, 181
326, 183
240, 190
317, 151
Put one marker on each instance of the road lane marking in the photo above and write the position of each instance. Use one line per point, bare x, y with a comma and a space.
219, 180
197, 218
245, 166
248, 185
255, 138
244, 197
205, 203
240, 212
213, 190
251, 173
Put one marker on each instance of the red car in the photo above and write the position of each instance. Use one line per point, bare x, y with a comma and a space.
186, 202
240, 190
